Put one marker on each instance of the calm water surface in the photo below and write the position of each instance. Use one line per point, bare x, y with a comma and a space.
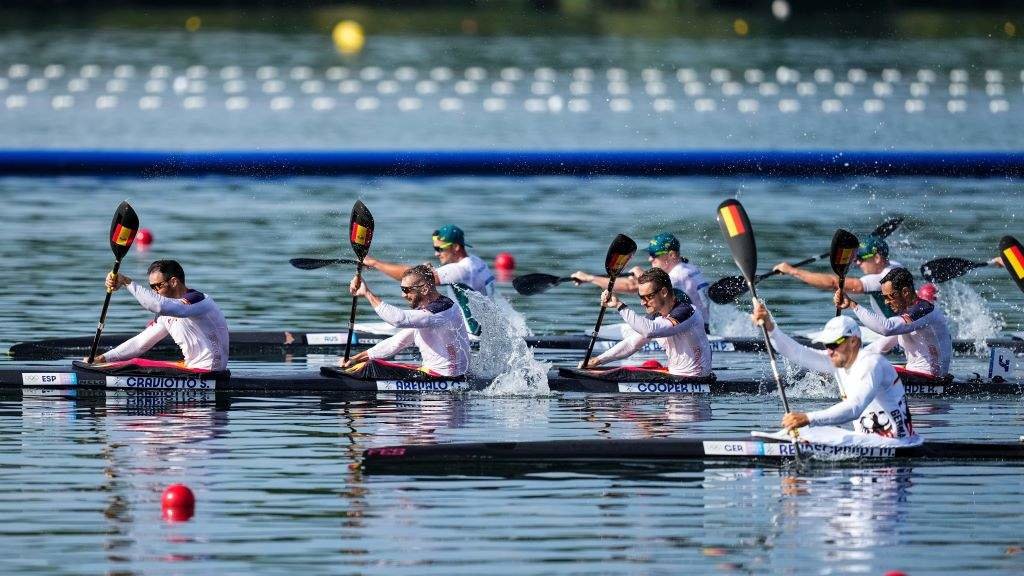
80, 479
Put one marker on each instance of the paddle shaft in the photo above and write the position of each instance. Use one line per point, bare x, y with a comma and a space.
842, 280
771, 356
103, 314
352, 313
597, 327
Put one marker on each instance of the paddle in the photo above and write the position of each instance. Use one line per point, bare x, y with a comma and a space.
1013, 259
314, 263
360, 234
122, 232
943, 269
730, 288
740, 236
620, 251
530, 284
844, 247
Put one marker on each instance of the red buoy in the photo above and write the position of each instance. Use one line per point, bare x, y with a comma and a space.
651, 364
928, 292
144, 238
504, 261
895, 573
178, 503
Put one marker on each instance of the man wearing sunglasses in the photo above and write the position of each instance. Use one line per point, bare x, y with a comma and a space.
433, 323
459, 269
677, 326
663, 253
190, 317
919, 328
873, 397
873, 261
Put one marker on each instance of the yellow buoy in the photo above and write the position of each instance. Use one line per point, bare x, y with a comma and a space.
193, 23
348, 37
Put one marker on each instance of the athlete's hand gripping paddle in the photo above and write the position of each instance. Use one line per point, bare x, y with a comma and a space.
123, 228
844, 248
1012, 254
360, 233
314, 263
621, 250
730, 288
740, 236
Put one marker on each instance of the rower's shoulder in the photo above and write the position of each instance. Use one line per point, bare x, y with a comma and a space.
919, 310
439, 305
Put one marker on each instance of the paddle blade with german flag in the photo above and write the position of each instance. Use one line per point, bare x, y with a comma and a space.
123, 229
844, 248
740, 237
1012, 254
620, 251
361, 229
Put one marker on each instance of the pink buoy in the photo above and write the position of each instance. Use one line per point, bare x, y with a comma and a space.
928, 292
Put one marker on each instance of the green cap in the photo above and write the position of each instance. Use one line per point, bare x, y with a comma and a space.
871, 246
450, 234
662, 243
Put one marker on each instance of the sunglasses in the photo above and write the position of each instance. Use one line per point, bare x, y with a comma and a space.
159, 285
836, 344
645, 298
408, 289
441, 248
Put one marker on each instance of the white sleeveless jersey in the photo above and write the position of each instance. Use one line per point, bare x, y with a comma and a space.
195, 322
874, 399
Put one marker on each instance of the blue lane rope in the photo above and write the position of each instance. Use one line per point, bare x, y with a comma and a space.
648, 163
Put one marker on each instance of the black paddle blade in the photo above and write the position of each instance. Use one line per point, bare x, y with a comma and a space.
621, 250
740, 237
530, 284
727, 289
844, 248
943, 269
123, 229
1013, 259
888, 227
315, 263
361, 229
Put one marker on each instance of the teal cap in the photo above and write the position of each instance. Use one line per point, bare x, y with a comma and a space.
450, 234
662, 243
871, 246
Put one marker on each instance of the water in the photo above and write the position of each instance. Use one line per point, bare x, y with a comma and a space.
276, 480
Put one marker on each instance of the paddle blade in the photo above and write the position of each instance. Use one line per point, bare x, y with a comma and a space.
1012, 255
621, 250
943, 269
123, 229
315, 263
888, 227
844, 248
361, 229
740, 237
727, 289
530, 284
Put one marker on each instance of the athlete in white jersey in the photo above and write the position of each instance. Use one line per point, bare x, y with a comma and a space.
873, 397
663, 253
677, 326
920, 328
190, 317
873, 260
434, 325
459, 269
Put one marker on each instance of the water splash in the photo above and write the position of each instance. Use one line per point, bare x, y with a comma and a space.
503, 356
969, 315
728, 320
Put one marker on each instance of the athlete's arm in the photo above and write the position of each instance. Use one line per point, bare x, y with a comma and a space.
158, 304
392, 269
408, 318
902, 324
882, 345
661, 326
809, 358
393, 344
138, 344
622, 283
623, 349
821, 280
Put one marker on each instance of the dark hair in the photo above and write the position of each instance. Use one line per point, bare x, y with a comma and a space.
169, 268
424, 272
900, 279
656, 276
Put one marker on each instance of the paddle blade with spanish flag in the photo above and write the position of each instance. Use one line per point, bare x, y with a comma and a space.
740, 236
1012, 254
361, 229
123, 229
620, 251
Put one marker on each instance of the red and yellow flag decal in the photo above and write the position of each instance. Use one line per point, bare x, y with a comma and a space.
733, 221
845, 256
619, 262
122, 236
1016, 260
361, 234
